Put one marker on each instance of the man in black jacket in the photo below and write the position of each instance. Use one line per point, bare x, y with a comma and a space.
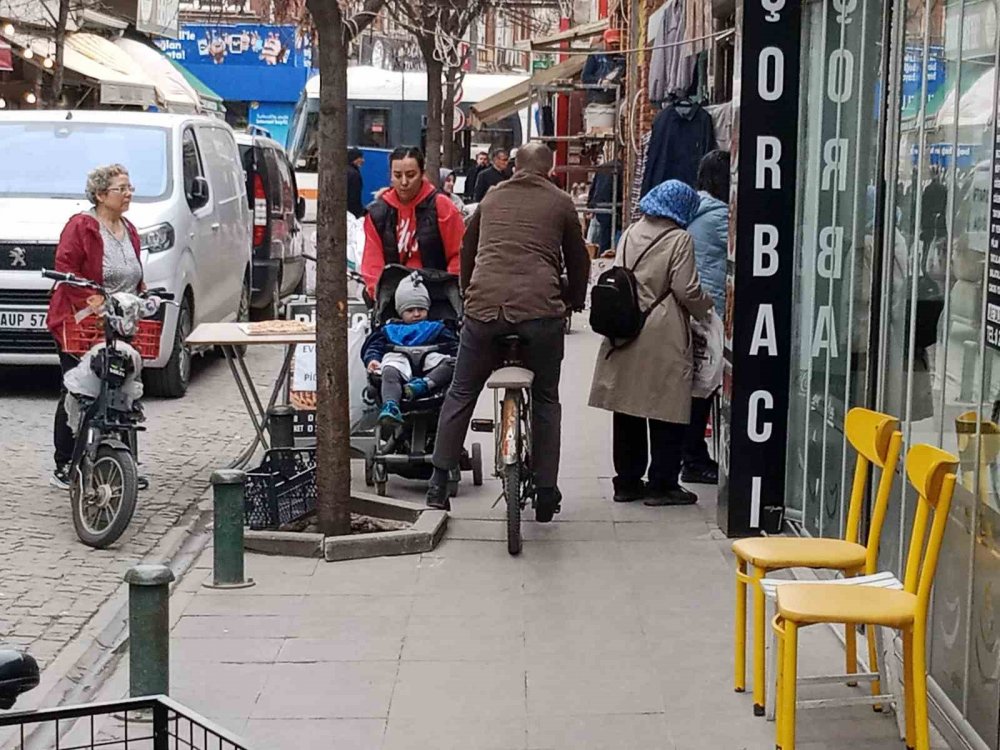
482, 164
355, 185
492, 176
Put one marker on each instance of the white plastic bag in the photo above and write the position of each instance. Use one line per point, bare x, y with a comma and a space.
355, 241
706, 339
363, 410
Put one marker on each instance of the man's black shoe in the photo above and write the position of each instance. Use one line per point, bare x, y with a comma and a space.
700, 475
437, 491
673, 496
630, 494
547, 503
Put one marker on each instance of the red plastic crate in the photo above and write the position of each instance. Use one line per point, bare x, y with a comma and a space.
80, 338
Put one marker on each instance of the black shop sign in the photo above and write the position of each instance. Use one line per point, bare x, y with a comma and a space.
760, 268
992, 328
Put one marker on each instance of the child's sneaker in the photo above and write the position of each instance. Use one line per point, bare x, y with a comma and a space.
416, 388
390, 414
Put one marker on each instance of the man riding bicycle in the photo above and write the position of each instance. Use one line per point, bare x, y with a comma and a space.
521, 238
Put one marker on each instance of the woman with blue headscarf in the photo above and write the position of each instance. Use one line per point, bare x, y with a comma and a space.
647, 384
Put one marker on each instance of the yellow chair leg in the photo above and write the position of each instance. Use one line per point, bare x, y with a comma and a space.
740, 634
759, 615
789, 678
919, 682
851, 651
779, 645
911, 741
873, 664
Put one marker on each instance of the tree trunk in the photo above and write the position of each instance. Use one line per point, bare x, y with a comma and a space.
60, 43
435, 98
333, 424
448, 129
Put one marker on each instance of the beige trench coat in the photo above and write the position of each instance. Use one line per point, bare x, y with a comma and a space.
651, 377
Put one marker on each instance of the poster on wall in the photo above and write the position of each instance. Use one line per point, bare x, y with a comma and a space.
992, 329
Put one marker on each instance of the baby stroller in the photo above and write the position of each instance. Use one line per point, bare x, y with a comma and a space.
406, 450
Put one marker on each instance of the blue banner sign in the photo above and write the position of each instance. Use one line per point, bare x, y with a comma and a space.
220, 54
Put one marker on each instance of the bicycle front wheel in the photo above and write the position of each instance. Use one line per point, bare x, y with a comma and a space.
511, 437
102, 512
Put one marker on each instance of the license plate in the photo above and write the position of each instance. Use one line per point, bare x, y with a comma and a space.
30, 320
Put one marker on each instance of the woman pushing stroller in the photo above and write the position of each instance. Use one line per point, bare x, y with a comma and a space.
399, 380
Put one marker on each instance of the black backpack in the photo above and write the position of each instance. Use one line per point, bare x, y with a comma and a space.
615, 311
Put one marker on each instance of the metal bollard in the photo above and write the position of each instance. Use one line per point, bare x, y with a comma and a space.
227, 531
149, 629
281, 426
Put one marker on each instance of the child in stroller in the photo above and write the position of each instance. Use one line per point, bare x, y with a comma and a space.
390, 349
416, 358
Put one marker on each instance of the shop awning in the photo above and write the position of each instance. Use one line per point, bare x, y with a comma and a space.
518, 97
210, 101
976, 105
583, 31
100, 63
173, 91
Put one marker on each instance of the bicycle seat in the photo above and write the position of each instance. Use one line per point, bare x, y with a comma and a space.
511, 377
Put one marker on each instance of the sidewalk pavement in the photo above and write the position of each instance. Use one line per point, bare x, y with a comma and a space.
612, 630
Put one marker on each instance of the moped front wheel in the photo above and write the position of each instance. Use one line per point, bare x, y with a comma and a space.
102, 510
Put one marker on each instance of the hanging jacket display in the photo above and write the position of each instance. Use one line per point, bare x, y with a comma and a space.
682, 134
670, 65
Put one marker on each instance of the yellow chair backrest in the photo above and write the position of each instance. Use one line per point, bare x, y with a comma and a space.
877, 440
932, 473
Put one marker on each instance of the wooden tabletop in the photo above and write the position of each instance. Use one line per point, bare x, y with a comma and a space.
231, 334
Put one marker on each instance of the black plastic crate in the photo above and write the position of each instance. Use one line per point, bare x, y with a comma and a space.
282, 489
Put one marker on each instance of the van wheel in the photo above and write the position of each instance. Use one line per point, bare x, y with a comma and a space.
172, 381
272, 308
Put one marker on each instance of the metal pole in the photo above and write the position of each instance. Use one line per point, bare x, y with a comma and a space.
227, 531
149, 629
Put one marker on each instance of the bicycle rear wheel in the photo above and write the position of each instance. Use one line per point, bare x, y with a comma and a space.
512, 468
512, 492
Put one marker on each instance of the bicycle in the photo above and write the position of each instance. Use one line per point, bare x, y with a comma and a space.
511, 428
104, 478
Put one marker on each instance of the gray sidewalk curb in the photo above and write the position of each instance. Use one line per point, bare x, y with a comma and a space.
424, 535
80, 670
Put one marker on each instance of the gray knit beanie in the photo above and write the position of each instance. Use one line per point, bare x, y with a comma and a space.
411, 294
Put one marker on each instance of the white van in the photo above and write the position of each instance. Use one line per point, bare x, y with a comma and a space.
190, 208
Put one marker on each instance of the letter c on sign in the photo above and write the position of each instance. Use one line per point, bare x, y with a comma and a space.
771, 74
759, 431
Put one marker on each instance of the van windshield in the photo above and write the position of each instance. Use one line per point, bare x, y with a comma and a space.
52, 159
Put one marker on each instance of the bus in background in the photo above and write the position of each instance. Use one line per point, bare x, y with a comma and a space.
388, 109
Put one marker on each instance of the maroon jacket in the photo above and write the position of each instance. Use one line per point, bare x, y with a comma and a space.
81, 253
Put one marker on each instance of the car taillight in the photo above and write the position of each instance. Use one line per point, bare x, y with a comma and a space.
259, 211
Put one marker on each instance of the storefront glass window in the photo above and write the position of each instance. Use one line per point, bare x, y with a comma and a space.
838, 166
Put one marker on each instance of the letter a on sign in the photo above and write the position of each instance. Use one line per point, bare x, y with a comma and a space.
764, 334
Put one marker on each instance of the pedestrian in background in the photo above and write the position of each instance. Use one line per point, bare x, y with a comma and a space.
647, 383
710, 231
412, 223
493, 175
482, 163
355, 183
448, 188
102, 246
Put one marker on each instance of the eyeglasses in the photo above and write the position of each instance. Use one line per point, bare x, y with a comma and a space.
124, 189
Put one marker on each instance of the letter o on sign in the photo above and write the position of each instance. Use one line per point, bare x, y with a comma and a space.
771, 74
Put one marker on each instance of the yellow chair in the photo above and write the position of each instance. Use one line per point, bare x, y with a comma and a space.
932, 472
877, 440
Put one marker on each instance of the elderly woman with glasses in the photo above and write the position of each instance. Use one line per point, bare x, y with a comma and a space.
100, 245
